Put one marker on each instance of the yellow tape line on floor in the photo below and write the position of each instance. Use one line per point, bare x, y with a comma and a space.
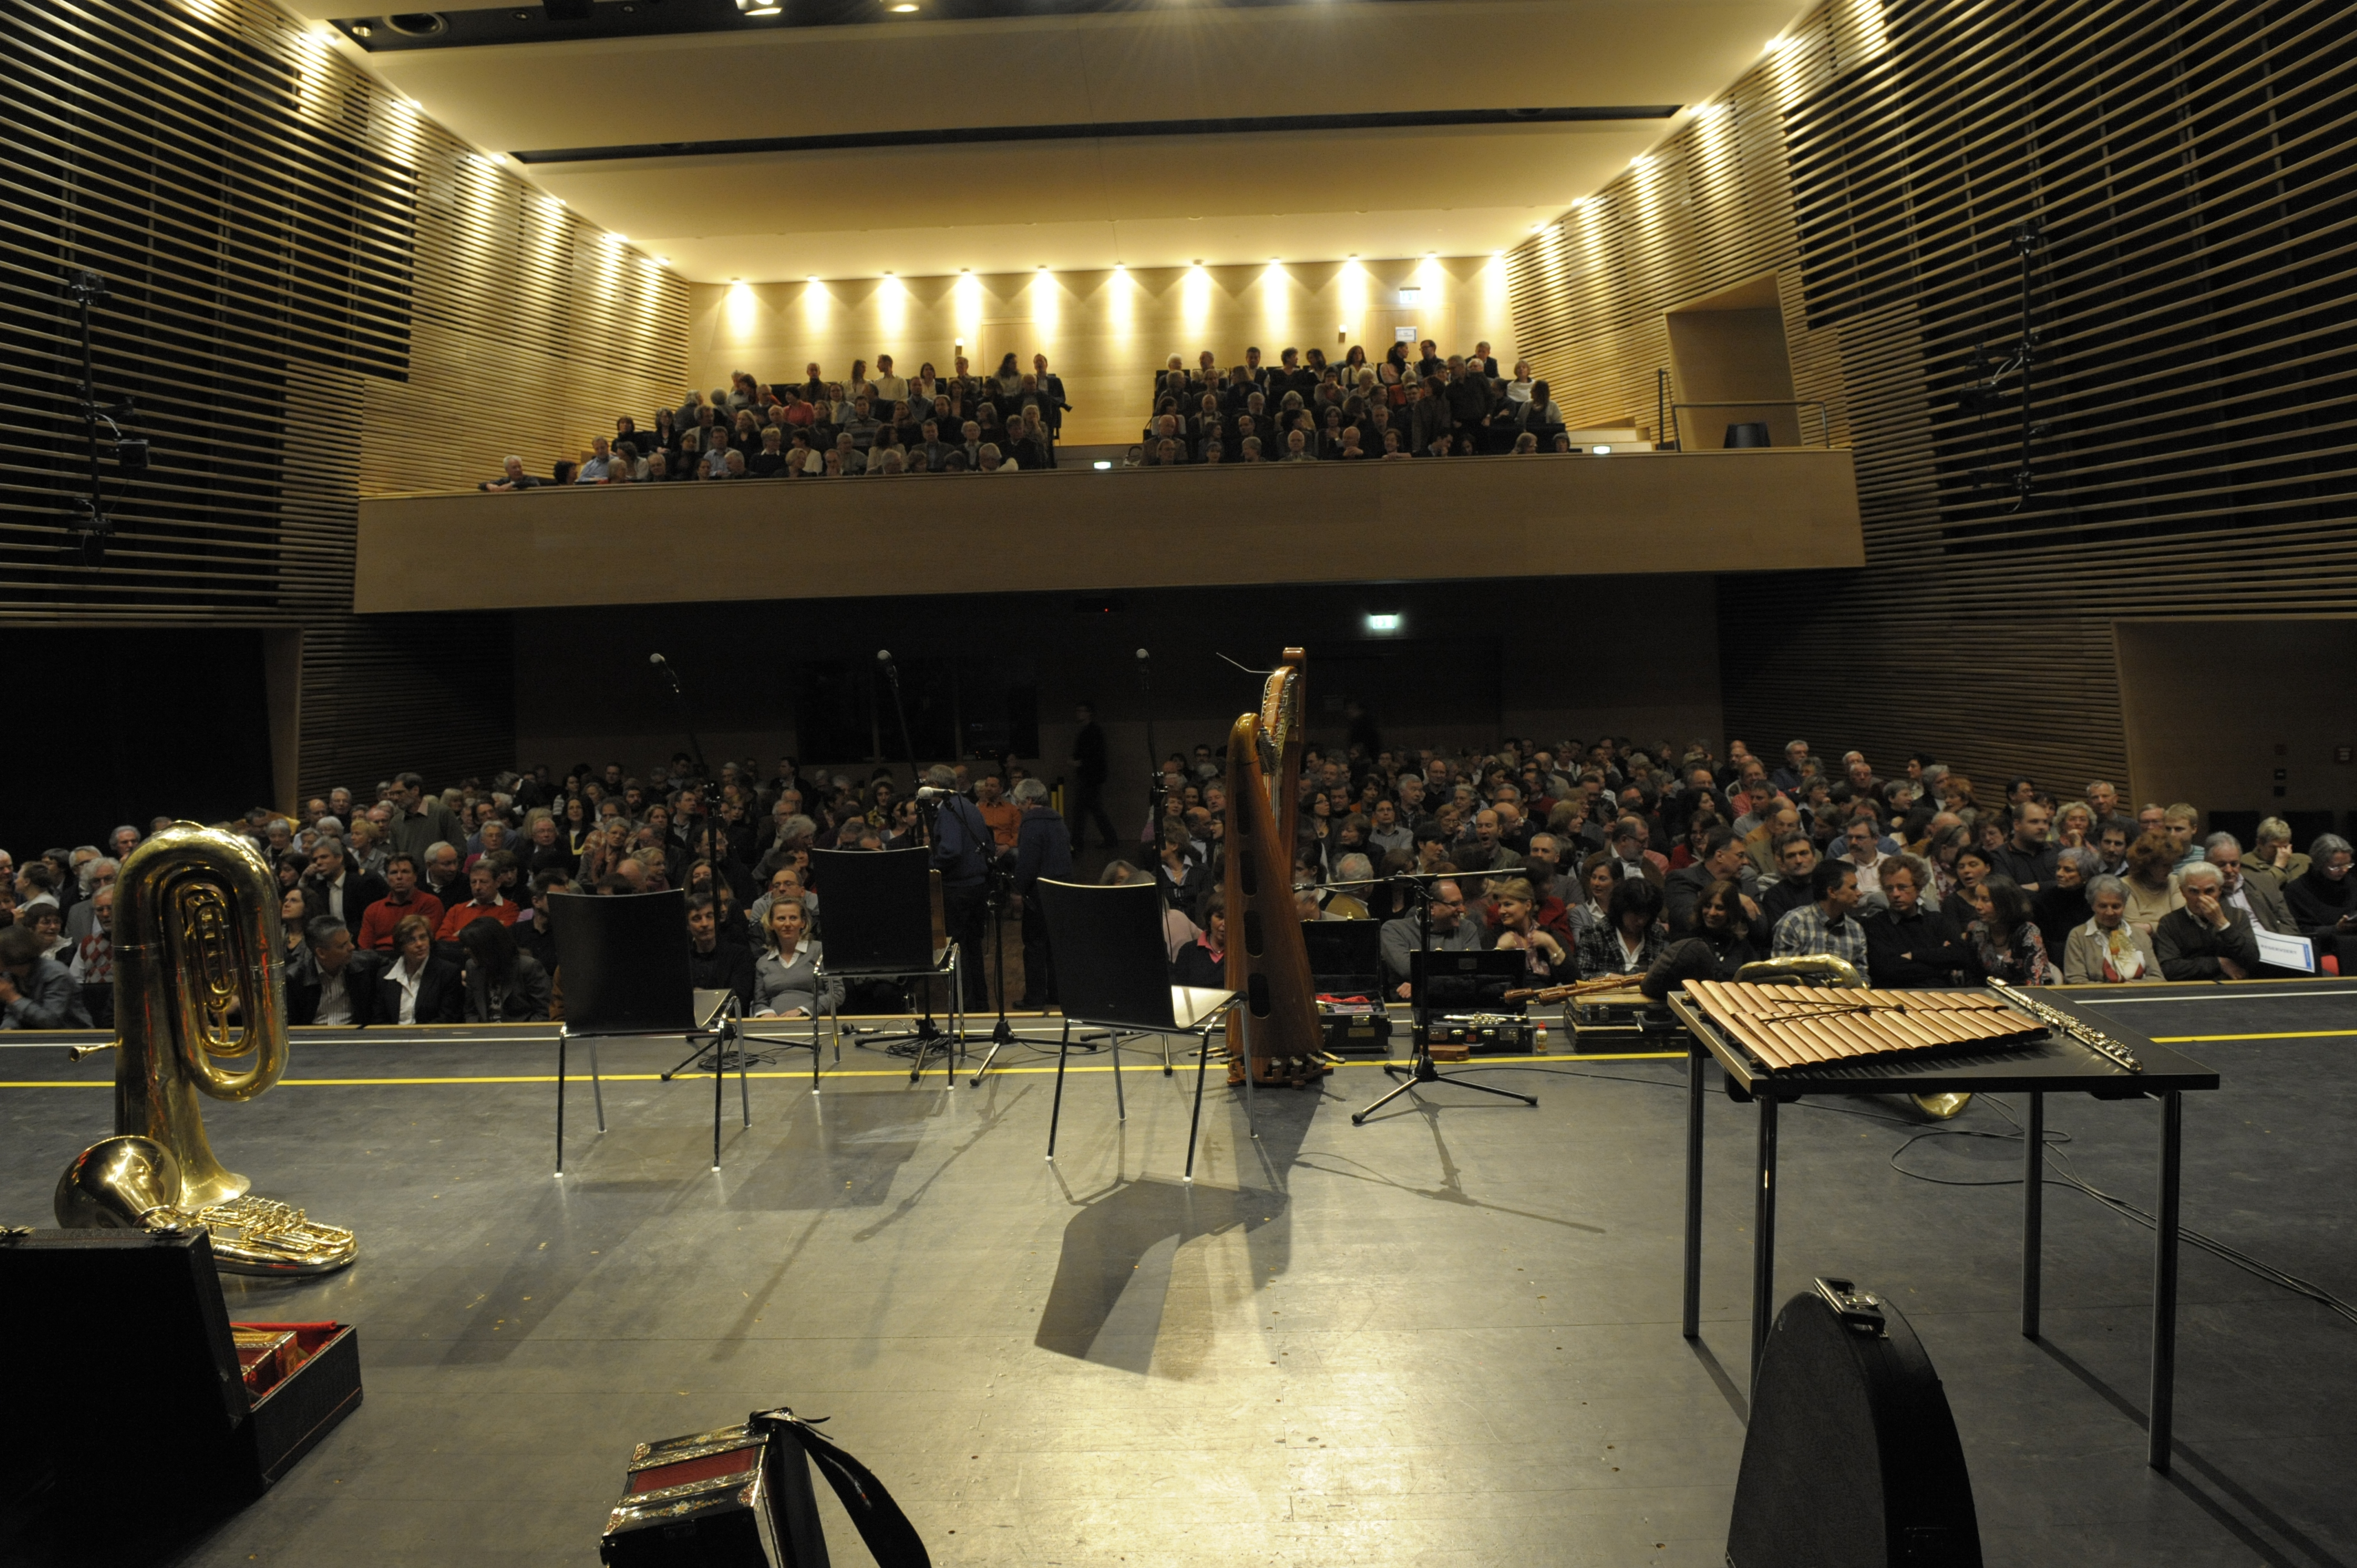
832, 1073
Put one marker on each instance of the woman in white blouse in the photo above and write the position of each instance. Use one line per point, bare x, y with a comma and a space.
785, 976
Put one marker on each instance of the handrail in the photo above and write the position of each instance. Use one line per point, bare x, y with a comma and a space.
1824, 420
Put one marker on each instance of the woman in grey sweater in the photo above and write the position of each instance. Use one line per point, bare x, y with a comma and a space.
785, 976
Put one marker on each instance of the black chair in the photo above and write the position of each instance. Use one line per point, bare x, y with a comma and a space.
881, 909
1752, 433
1112, 970
625, 963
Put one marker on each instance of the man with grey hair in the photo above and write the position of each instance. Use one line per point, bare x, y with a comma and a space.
1043, 847
2206, 939
122, 842
2257, 896
95, 877
511, 478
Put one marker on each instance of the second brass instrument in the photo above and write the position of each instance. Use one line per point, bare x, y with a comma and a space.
197, 990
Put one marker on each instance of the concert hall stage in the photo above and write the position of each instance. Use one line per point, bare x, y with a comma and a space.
1450, 1336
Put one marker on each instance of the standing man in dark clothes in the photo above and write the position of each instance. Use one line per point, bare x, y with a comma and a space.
1089, 772
1043, 847
963, 851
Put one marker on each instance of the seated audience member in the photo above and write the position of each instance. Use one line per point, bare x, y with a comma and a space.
503, 985
1823, 926
1911, 945
36, 992
2026, 856
2255, 894
1545, 955
338, 892
1718, 949
1629, 938
92, 963
339, 985
2107, 949
2323, 901
2060, 906
1204, 961
2151, 881
1599, 874
2271, 851
1452, 931
785, 976
511, 478
419, 987
533, 936
485, 904
1794, 884
2205, 937
1720, 859
2002, 934
713, 963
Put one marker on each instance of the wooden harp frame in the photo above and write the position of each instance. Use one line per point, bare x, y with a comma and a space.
1268, 962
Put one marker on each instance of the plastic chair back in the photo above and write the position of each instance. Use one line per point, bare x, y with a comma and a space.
625, 962
1113, 963
878, 909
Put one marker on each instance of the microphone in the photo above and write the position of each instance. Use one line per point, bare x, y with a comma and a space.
883, 656
1143, 656
931, 792
655, 658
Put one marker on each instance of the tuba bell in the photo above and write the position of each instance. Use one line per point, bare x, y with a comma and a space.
197, 992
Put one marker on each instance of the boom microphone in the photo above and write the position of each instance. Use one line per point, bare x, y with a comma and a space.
883, 656
654, 658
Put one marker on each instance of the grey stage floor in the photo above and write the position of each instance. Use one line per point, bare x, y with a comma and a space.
1447, 1337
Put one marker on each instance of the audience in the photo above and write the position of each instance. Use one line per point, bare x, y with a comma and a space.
402, 906
1297, 410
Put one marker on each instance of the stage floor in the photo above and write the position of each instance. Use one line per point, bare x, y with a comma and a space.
1449, 1337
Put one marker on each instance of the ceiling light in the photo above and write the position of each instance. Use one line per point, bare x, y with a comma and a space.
1495, 255
408, 103
362, 31
555, 201
1775, 44
1355, 255
659, 261
762, 11
963, 271
619, 239
903, 8
813, 278
1643, 160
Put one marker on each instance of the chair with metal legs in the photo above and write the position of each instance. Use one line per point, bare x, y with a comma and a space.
883, 909
1113, 972
624, 961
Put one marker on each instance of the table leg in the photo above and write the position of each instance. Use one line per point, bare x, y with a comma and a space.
2163, 1399
1763, 1235
2033, 1212
1695, 1058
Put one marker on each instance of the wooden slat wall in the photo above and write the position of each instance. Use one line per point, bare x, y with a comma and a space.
2189, 163
316, 294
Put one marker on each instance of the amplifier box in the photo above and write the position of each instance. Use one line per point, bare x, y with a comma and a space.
1356, 1034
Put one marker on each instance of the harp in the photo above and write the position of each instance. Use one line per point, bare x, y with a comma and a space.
1267, 960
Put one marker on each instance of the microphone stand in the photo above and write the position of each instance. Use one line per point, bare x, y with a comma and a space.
1153, 758
927, 1034
725, 1024
1419, 884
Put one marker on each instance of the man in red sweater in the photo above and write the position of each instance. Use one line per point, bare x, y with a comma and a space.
483, 881
401, 899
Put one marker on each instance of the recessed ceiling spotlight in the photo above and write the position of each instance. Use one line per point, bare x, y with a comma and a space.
756, 11
1775, 44
903, 8
964, 271
1353, 256
362, 31
1198, 262
555, 201
1642, 160
659, 261
1540, 227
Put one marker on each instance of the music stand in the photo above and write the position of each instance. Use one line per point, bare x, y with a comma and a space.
1119, 978
1420, 1067
625, 962
878, 908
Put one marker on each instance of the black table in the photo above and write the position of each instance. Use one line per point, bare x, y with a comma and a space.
2055, 1064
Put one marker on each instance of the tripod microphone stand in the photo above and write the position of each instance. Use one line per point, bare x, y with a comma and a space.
927, 1036
1420, 1067
725, 1025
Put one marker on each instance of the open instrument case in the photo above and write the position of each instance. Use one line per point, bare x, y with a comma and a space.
120, 1332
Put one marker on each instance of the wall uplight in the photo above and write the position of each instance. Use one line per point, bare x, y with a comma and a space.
1101, 465
1384, 624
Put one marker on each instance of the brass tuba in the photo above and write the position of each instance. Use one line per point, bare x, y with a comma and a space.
196, 990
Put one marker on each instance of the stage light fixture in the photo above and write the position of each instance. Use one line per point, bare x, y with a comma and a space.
1385, 623
1602, 451
1101, 465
